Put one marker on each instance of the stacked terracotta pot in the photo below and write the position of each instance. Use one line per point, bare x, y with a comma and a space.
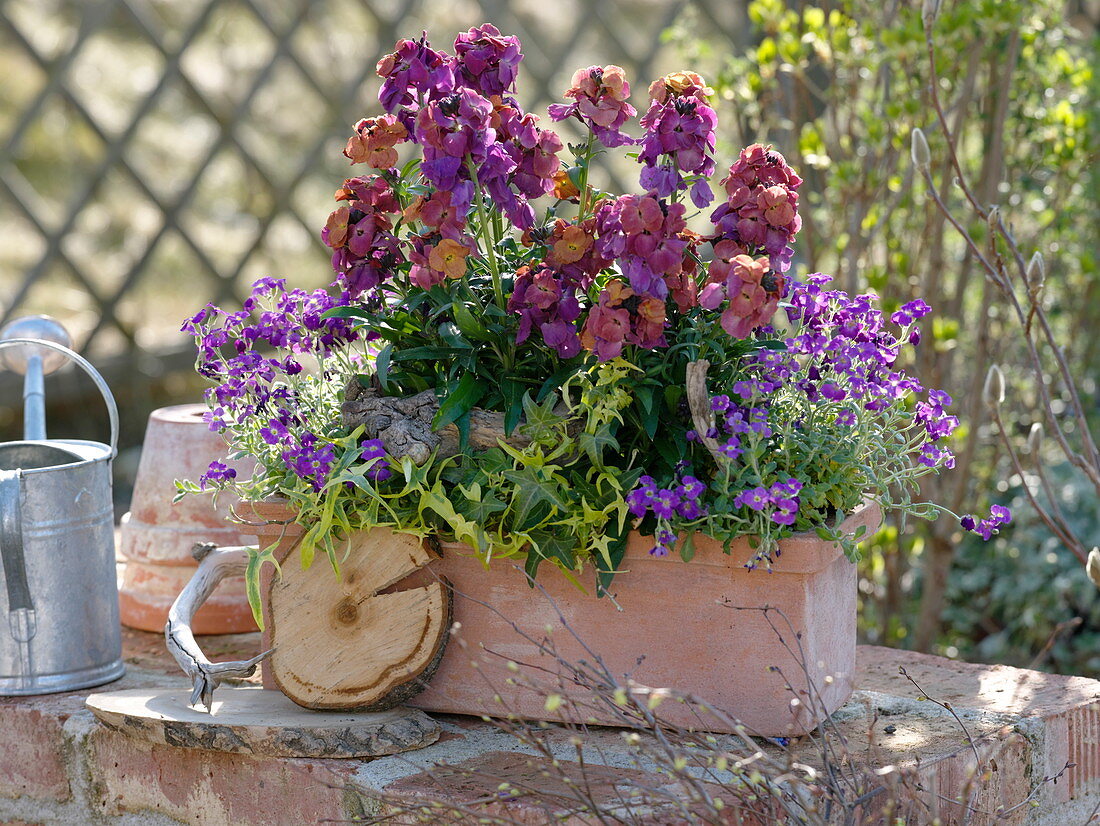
156, 536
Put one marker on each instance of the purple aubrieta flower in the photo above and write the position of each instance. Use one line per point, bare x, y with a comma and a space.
910, 312
665, 540
998, 515
755, 499
664, 503
374, 453
311, 460
731, 449
217, 474
786, 510
690, 488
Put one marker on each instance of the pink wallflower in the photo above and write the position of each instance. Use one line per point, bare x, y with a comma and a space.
374, 141
530, 162
761, 209
608, 323
437, 212
412, 75
360, 233
600, 95
435, 259
749, 288
487, 60
679, 137
683, 286
623, 317
545, 300
450, 130
644, 236
571, 249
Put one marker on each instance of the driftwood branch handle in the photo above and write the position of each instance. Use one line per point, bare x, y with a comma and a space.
215, 564
698, 398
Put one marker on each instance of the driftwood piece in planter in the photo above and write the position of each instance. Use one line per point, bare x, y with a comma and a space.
404, 424
215, 564
372, 637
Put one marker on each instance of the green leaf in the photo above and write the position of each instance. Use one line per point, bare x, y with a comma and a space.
352, 311
687, 549
512, 393
769, 344
430, 353
534, 496
616, 551
541, 418
459, 401
467, 323
556, 379
382, 366
593, 444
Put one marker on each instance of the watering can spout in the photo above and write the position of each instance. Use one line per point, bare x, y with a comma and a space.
34, 363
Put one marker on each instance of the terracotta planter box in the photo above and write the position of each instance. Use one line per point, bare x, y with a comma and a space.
678, 627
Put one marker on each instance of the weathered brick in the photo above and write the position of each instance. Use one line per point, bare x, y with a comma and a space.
209, 788
31, 752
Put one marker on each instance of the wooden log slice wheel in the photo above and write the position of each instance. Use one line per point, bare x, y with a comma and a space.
369, 639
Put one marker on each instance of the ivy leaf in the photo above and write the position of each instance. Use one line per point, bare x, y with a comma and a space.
541, 418
615, 552
548, 545
534, 496
481, 505
593, 444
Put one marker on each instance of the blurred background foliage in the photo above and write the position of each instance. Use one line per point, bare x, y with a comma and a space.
158, 154
838, 88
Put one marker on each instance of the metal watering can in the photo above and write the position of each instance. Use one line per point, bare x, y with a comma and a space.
59, 625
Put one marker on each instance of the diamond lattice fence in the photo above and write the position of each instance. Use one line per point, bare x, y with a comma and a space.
158, 154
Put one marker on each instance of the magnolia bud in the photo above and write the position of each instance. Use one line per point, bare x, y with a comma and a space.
1035, 439
994, 216
918, 149
993, 394
1092, 567
1036, 275
929, 10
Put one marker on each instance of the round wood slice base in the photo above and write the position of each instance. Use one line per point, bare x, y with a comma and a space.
251, 720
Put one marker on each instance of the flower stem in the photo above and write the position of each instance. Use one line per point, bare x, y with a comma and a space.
584, 175
486, 234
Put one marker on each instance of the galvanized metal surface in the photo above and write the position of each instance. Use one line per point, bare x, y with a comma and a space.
57, 556
34, 362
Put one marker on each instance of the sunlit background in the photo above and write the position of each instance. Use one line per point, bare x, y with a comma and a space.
159, 154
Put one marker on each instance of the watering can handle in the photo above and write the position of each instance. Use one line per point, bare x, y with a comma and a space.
85, 365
